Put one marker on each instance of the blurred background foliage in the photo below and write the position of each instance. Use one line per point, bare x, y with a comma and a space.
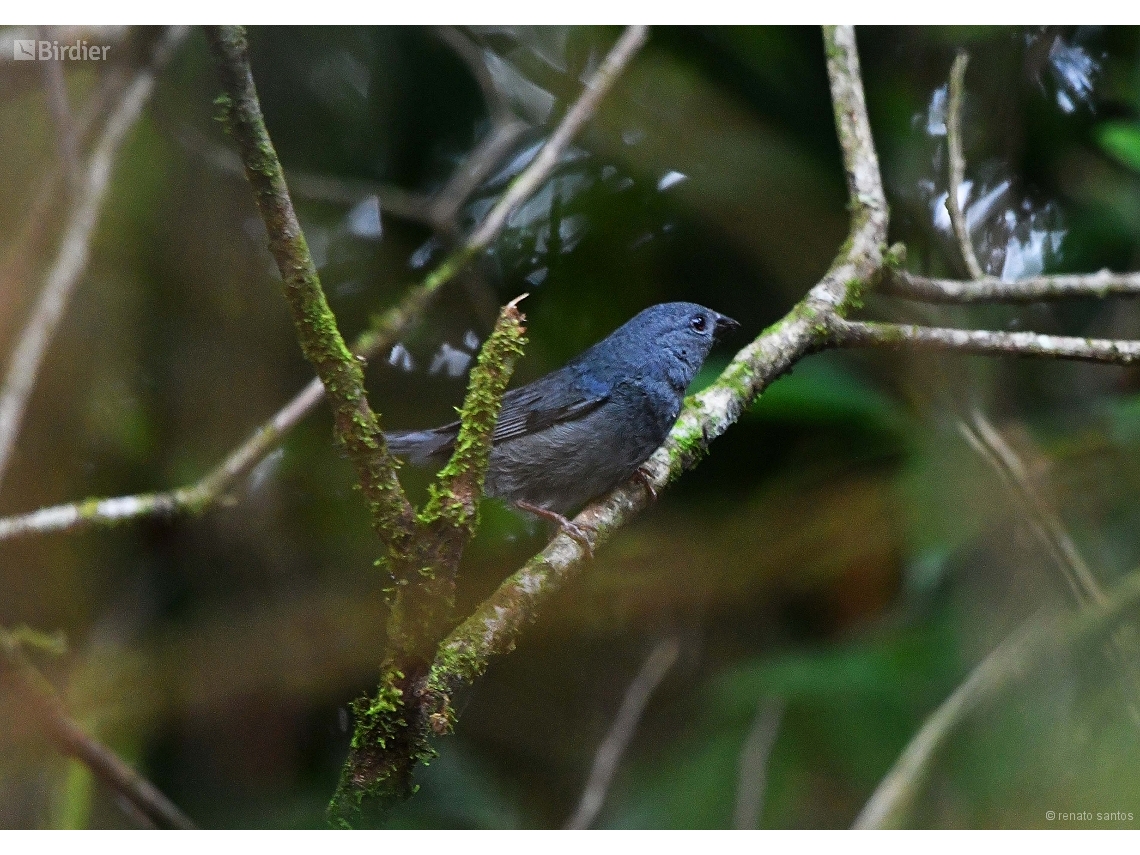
843, 556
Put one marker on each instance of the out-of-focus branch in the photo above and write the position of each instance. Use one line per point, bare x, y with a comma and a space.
333, 190
613, 747
596, 88
73, 741
846, 333
75, 247
958, 165
984, 438
752, 773
1038, 643
469, 53
55, 92
991, 289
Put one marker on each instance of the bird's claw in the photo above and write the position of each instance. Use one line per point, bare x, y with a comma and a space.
570, 529
642, 475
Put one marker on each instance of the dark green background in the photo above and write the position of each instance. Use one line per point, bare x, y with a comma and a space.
842, 548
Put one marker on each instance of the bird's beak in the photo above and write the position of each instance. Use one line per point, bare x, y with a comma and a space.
724, 326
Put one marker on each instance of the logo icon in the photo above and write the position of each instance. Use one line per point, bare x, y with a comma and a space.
23, 49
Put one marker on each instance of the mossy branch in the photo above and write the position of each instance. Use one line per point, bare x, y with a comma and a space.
392, 729
357, 426
459, 485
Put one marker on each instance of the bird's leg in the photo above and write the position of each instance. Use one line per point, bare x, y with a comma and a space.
642, 475
568, 528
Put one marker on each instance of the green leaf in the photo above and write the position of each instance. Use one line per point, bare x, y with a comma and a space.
1121, 141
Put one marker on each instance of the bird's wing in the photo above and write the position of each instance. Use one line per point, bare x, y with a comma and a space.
558, 397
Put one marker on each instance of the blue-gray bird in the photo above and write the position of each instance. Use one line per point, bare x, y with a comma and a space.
579, 431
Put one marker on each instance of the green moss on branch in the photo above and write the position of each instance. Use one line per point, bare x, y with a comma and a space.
357, 426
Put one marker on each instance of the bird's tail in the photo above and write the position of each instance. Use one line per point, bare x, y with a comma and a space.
422, 447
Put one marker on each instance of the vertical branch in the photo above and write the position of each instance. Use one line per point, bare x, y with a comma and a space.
356, 424
752, 773
55, 90
958, 165
421, 612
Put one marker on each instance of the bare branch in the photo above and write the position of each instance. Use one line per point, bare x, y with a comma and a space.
752, 774
470, 54
984, 438
991, 289
443, 210
587, 104
1026, 651
73, 741
613, 747
846, 333
958, 165
55, 90
75, 247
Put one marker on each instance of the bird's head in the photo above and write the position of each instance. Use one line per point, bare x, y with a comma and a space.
680, 335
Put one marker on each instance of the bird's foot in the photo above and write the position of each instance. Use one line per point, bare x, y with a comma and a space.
568, 528
642, 475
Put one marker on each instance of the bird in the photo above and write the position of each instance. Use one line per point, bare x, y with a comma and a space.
582, 429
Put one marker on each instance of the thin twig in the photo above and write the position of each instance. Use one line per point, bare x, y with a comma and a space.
584, 108
73, 741
984, 438
26, 244
471, 55
1038, 641
443, 209
752, 772
333, 190
75, 247
991, 289
958, 165
846, 333
613, 747
55, 91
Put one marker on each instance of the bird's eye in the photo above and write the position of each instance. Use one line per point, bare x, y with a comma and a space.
698, 323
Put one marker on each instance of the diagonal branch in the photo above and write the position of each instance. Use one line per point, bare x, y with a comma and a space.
653, 670
357, 426
1024, 652
74, 250
73, 741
